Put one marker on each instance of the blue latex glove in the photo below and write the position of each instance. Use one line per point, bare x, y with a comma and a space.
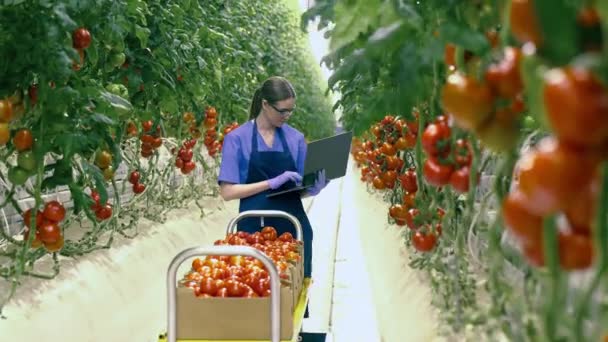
283, 178
320, 184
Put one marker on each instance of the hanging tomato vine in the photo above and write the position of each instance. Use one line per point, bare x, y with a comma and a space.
124, 104
492, 154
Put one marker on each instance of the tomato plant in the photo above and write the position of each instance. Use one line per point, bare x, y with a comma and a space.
521, 85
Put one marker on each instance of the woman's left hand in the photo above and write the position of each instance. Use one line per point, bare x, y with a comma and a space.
320, 184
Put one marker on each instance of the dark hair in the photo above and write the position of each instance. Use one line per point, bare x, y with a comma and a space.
273, 90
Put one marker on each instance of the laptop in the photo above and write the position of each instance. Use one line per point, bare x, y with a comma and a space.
330, 154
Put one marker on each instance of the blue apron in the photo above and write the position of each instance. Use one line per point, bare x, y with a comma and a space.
264, 166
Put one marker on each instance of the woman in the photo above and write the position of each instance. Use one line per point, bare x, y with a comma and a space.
266, 154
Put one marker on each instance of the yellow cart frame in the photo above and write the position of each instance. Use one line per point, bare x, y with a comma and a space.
275, 298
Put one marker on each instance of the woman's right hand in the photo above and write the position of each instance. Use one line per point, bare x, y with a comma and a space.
283, 178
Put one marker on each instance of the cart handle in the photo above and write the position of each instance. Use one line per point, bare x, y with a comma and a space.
275, 285
232, 228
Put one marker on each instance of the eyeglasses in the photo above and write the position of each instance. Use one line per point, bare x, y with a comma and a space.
283, 112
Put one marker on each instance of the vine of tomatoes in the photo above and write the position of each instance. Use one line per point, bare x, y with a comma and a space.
527, 81
93, 99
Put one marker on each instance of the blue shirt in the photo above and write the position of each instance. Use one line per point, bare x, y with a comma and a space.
236, 151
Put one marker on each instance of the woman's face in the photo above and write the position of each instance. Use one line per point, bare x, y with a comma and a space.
278, 113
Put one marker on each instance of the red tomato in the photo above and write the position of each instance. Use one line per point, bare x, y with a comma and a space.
389, 177
411, 140
435, 173
286, 237
551, 175
449, 55
6, 111
504, 77
134, 177
269, 233
409, 181
211, 112
577, 106
409, 199
388, 149
104, 212
210, 122
157, 142
138, 188
575, 251
54, 211
582, 209
27, 218
242, 235
378, 183
469, 102
54, 246
395, 211
147, 125
81, 38
235, 288
188, 167
23, 140
462, 153
49, 232
523, 21
207, 286
424, 242
435, 139
410, 218
185, 154
392, 162
459, 180
179, 163
525, 225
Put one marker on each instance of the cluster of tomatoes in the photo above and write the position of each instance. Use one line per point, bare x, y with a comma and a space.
150, 141
211, 136
26, 161
239, 276
184, 157
490, 107
138, 187
81, 39
426, 228
103, 211
48, 233
103, 160
382, 162
447, 162
560, 176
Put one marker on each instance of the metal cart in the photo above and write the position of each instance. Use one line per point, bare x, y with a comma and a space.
275, 298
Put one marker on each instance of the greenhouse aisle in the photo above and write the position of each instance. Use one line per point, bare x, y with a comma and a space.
363, 288
341, 297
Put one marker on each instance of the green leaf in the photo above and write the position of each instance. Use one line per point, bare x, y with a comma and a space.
98, 180
116, 101
464, 37
358, 17
62, 174
71, 142
80, 198
559, 30
60, 12
142, 34
103, 119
